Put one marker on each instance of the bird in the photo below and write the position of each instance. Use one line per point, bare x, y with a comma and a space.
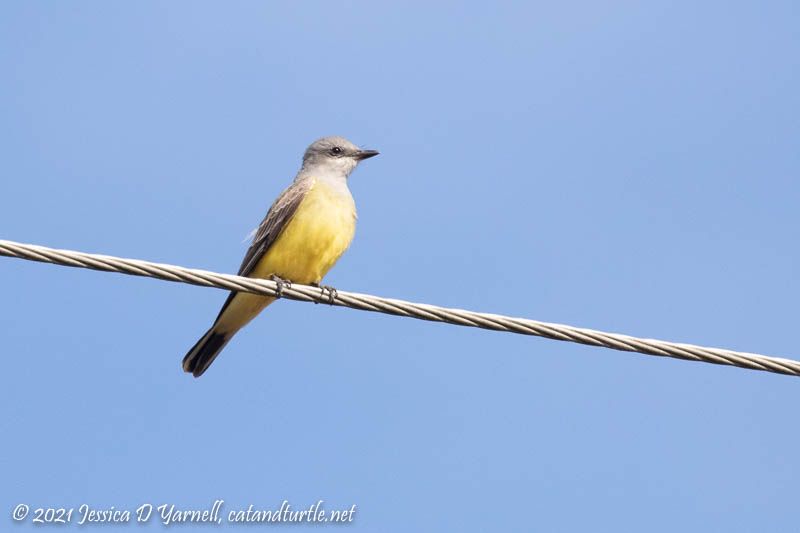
306, 230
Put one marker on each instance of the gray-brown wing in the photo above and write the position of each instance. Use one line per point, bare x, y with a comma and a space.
277, 217
279, 214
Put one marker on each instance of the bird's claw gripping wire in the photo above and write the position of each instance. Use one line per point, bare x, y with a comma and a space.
282, 284
332, 293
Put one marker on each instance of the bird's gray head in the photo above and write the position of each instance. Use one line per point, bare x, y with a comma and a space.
333, 155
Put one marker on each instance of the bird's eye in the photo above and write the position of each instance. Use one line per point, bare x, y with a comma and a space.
336, 150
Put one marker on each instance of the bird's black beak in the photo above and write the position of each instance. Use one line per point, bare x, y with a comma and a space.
366, 154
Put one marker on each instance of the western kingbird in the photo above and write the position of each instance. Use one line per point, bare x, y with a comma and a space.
305, 232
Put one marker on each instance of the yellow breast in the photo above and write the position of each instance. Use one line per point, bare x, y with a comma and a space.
317, 235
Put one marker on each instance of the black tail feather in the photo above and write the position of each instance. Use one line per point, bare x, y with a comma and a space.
204, 352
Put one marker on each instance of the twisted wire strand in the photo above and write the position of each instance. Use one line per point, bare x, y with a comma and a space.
366, 302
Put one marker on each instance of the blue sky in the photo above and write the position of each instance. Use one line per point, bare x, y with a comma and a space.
623, 166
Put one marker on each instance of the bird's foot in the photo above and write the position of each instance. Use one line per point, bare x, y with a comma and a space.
282, 284
332, 293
